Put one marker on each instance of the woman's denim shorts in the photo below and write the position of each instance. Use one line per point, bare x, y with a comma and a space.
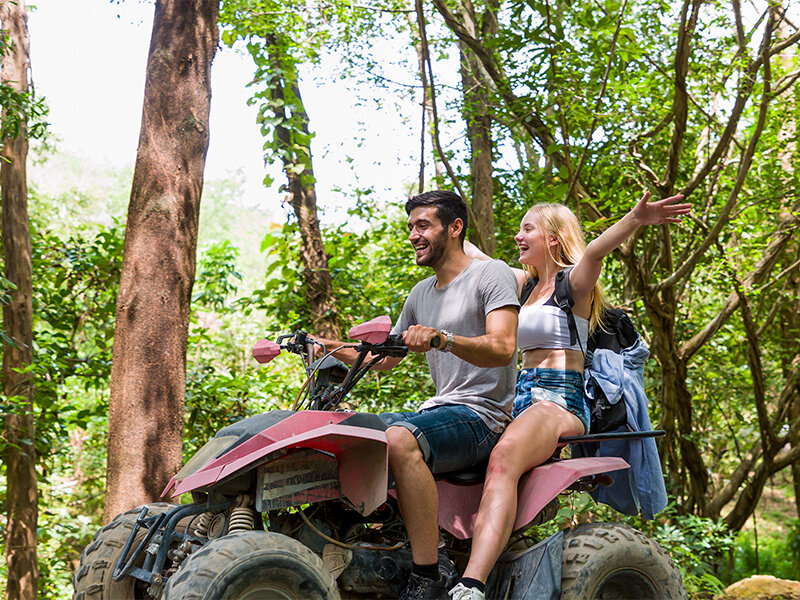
561, 387
451, 437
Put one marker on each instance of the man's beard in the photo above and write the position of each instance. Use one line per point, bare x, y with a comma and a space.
435, 252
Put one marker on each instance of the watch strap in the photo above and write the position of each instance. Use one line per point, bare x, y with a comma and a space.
450, 340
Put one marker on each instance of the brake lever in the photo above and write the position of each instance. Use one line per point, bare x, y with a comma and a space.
392, 346
297, 341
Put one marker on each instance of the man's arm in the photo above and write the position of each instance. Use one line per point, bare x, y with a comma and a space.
496, 348
475, 253
349, 354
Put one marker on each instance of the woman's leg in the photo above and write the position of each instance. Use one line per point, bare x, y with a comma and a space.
527, 442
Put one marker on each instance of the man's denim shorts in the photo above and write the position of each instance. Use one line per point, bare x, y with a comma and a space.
564, 388
452, 437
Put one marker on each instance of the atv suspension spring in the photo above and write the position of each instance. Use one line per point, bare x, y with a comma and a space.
201, 530
242, 519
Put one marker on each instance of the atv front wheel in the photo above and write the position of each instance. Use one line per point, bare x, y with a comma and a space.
612, 561
92, 580
252, 565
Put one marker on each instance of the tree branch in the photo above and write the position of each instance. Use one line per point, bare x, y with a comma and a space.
680, 106
756, 371
748, 498
779, 276
744, 166
421, 50
735, 481
741, 40
531, 122
746, 463
427, 58
783, 45
745, 89
574, 177
786, 83
782, 236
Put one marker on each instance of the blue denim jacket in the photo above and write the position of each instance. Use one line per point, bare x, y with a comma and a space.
640, 488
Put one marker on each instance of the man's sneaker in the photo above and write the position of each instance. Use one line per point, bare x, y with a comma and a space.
462, 592
422, 588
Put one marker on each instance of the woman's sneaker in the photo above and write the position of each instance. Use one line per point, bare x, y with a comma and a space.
462, 592
422, 588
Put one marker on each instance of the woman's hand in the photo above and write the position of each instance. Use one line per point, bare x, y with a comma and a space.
661, 211
587, 270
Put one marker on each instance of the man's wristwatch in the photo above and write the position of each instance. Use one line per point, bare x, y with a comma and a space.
449, 345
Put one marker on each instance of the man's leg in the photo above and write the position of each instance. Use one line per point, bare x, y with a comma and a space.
439, 440
416, 494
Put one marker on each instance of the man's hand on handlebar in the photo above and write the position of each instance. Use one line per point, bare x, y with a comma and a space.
420, 338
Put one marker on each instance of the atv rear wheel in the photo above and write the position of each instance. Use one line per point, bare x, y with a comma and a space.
93, 579
613, 561
252, 565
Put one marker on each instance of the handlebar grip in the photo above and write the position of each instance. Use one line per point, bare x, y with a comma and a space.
436, 341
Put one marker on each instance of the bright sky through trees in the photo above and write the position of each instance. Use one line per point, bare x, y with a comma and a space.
88, 60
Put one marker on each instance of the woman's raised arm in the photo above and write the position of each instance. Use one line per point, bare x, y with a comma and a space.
587, 271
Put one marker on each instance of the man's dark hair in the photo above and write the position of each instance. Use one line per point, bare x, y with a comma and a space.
449, 207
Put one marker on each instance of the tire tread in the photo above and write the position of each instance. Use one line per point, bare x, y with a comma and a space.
589, 548
195, 578
92, 579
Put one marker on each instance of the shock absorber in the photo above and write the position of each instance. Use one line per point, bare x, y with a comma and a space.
242, 517
201, 529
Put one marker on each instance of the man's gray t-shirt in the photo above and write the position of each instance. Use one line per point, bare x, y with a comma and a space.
461, 307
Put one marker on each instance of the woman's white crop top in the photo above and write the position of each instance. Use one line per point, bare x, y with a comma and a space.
544, 325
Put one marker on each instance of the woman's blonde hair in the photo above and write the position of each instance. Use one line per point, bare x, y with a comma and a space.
560, 222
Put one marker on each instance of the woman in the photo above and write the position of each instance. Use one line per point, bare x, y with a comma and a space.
549, 401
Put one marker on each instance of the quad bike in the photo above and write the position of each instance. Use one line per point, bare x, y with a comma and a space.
294, 504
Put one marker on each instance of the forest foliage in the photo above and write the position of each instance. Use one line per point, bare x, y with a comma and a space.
590, 103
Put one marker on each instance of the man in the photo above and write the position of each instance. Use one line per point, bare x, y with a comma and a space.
468, 311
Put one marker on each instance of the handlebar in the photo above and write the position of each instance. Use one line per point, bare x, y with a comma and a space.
299, 341
332, 379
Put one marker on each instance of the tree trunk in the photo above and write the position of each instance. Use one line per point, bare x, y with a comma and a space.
677, 414
794, 440
427, 108
19, 453
790, 333
298, 167
478, 116
477, 111
790, 317
148, 373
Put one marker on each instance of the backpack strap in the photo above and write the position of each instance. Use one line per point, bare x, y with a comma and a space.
527, 288
564, 300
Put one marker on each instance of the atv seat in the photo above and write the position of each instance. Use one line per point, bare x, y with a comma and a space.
469, 476
477, 474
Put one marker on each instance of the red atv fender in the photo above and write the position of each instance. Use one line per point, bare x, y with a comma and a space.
360, 454
458, 503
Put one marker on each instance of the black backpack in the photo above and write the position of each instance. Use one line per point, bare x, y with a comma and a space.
616, 333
